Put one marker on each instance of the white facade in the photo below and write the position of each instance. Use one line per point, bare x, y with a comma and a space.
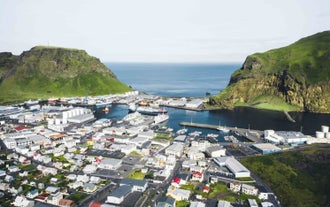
175, 149
233, 165
110, 163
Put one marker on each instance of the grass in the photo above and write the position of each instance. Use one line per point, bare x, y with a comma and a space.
163, 136
272, 103
298, 178
137, 175
182, 204
77, 197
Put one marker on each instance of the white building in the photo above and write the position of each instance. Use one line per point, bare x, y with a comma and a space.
249, 190
175, 149
233, 165
178, 194
21, 201
119, 194
195, 103
110, 163
137, 185
216, 151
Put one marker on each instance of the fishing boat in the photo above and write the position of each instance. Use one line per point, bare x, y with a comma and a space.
147, 110
161, 118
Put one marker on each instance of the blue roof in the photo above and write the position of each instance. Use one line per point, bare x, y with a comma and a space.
121, 191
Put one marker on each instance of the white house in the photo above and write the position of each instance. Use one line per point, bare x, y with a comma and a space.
137, 185
110, 163
119, 194
21, 201
175, 149
249, 190
216, 151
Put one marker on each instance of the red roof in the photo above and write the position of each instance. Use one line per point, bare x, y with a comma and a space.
20, 128
95, 204
197, 174
176, 180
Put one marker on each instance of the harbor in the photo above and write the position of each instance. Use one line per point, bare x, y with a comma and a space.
251, 135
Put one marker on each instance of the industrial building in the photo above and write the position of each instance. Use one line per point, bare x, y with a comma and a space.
233, 165
266, 148
285, 137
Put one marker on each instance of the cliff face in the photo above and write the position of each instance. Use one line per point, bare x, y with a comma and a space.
298, 75
54, 72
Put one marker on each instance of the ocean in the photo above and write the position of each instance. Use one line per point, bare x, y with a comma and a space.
194, 80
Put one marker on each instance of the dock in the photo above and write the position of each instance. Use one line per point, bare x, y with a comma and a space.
252, 135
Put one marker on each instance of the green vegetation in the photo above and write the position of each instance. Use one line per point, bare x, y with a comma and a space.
182, 203
77, 197
298, 178
163, 136
135, 153
45, 72
137, 175
292, 78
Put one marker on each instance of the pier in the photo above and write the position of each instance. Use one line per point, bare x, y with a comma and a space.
252, 135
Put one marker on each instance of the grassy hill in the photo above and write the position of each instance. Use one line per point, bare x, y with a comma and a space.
44, 72
296, 76
298, 178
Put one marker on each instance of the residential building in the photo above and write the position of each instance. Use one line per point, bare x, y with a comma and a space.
137, 185
249, 189
119, 194
110, 163
165, 201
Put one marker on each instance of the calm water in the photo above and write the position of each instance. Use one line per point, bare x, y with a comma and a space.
196, 80
192, 80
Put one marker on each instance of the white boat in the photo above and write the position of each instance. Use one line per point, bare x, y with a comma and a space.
161, 118
212, 135
182, 131
150, 110
131, 107
223, 129
195, 134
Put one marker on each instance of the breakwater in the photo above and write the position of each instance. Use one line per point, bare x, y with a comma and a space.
252, 135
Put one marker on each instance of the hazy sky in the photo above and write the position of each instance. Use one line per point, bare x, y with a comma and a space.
161, 31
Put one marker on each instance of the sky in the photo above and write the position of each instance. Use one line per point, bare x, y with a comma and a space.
161, 31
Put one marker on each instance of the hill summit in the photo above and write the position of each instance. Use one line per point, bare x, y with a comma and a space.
296, 77
44, 72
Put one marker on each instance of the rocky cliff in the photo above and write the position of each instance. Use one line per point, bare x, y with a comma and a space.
54, 72
297, 76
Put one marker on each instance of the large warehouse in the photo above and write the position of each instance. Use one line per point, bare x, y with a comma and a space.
233, 165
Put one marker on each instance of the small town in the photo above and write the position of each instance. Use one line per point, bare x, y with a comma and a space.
57, 153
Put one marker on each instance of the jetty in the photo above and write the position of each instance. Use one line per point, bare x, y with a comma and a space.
288, 116
252, 135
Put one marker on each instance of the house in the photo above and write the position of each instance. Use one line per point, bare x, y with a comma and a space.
9, 178
178, 194
21, 201
263, 196
119, 194
32, 193
165, 202
197, 176
66, 203
89, 187
175, 149
71, 177
197, 204
252, 203
206, 188
13, 168
4, 186
83, 178
249, 190
222, 203
235, 187
95, 180
110, 163
2, 173
216, 151
89, 169
137, 185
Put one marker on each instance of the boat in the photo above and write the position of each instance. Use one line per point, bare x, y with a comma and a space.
195, 134
231, 138
182, 131
223, 129
101, 104
212, 135
150, 110
106, 110
161, 118
131, 107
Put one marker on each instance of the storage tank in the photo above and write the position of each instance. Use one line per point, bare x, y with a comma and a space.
325, 128
327, 135
319, 134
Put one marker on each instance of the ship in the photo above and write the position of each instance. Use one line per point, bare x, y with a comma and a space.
161, 118
223, 129
131, 107
147, 110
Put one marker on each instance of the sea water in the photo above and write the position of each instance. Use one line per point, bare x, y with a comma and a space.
194, 80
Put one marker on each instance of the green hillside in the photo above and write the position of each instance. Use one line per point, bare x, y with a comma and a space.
44, 72
298, 75
298, 178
